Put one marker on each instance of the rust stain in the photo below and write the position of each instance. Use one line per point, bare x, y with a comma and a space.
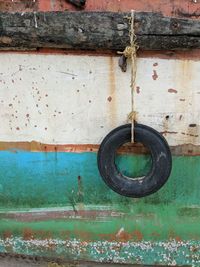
165, 125
112, 92
168, 132
171, 90
28, 234
42, 234
7, 234
192, 125
183, 77
56, 215
109, 237
36, 147
125, 149
193, 132
86, 236
187, 149
155, 64
137, 235
109, 99
137, 89
178, 238
172, 236
155, 75
123, 236
188, 134
65, 234
193, 54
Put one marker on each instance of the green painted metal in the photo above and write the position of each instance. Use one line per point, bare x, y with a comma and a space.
35, 180
162, 228
140, 222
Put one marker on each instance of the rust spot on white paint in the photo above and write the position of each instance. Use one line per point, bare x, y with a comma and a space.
112, 93
137, 89
109, 99
168, 132
192, 135
192, 125
171, 90
155, 75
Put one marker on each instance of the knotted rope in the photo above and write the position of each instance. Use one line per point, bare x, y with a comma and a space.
131, 53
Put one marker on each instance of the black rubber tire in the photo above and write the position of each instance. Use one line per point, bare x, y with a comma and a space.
139, 186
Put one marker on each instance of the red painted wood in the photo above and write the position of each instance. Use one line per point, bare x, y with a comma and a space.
178, 8
166, 7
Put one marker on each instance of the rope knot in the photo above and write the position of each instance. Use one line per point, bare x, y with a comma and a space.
132, 116
129, 51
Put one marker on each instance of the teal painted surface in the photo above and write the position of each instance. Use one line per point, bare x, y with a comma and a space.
164, 226
49, 179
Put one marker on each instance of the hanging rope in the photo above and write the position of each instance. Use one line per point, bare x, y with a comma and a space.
131, 53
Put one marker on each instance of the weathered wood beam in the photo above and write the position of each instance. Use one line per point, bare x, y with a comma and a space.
95, 30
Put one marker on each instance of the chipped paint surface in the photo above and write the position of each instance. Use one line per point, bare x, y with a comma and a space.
49, 201
54, 202
135, 149
51, 99
169, 253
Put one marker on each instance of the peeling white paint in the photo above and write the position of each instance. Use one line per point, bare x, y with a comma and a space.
68, 99
121, 230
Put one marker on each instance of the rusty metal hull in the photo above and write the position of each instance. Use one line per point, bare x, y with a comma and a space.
53, 201
56, 106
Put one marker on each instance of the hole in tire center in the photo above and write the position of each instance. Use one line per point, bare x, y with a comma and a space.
133, 160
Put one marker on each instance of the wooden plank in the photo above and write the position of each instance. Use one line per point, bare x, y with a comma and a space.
96, 30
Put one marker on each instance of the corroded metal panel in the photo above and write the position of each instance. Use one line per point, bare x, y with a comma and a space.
52, 199
56, 108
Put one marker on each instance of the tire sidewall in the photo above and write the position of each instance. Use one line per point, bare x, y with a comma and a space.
139, 186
